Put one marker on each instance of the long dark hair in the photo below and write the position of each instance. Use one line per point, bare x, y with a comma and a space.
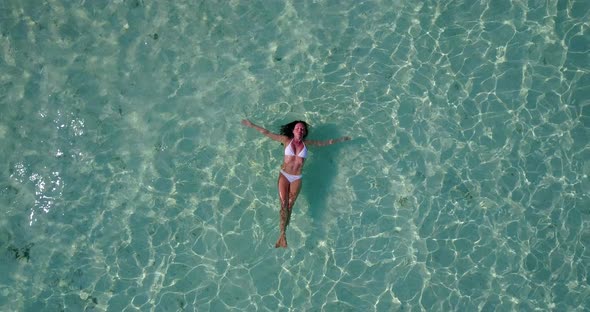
287, 130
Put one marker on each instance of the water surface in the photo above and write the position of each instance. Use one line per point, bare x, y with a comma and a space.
128, 183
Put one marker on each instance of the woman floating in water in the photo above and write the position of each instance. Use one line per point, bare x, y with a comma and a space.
293, 137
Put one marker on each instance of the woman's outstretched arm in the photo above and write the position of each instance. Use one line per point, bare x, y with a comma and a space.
274, 136
327, 142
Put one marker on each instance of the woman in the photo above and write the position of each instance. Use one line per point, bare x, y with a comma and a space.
292, 136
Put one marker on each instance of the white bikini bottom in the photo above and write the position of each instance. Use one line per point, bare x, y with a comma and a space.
290, 177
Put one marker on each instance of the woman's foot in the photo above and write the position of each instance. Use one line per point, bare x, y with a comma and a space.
282, 242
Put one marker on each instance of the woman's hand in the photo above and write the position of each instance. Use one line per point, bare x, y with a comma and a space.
334, 141
246, 123
342, 139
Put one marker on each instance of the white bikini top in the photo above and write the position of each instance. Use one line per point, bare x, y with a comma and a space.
290, 152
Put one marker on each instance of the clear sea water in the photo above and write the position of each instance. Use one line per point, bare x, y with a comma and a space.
127, 182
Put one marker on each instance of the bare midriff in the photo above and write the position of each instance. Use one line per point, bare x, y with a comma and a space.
293, 164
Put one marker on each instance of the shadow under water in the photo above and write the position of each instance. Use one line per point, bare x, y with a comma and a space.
319, 174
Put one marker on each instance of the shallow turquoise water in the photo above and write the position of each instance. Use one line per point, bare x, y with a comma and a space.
129, 184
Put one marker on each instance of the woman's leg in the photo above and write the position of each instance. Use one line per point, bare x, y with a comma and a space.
284, 186
293, 193
288, 192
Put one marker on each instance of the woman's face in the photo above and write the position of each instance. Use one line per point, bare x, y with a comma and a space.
299, 131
